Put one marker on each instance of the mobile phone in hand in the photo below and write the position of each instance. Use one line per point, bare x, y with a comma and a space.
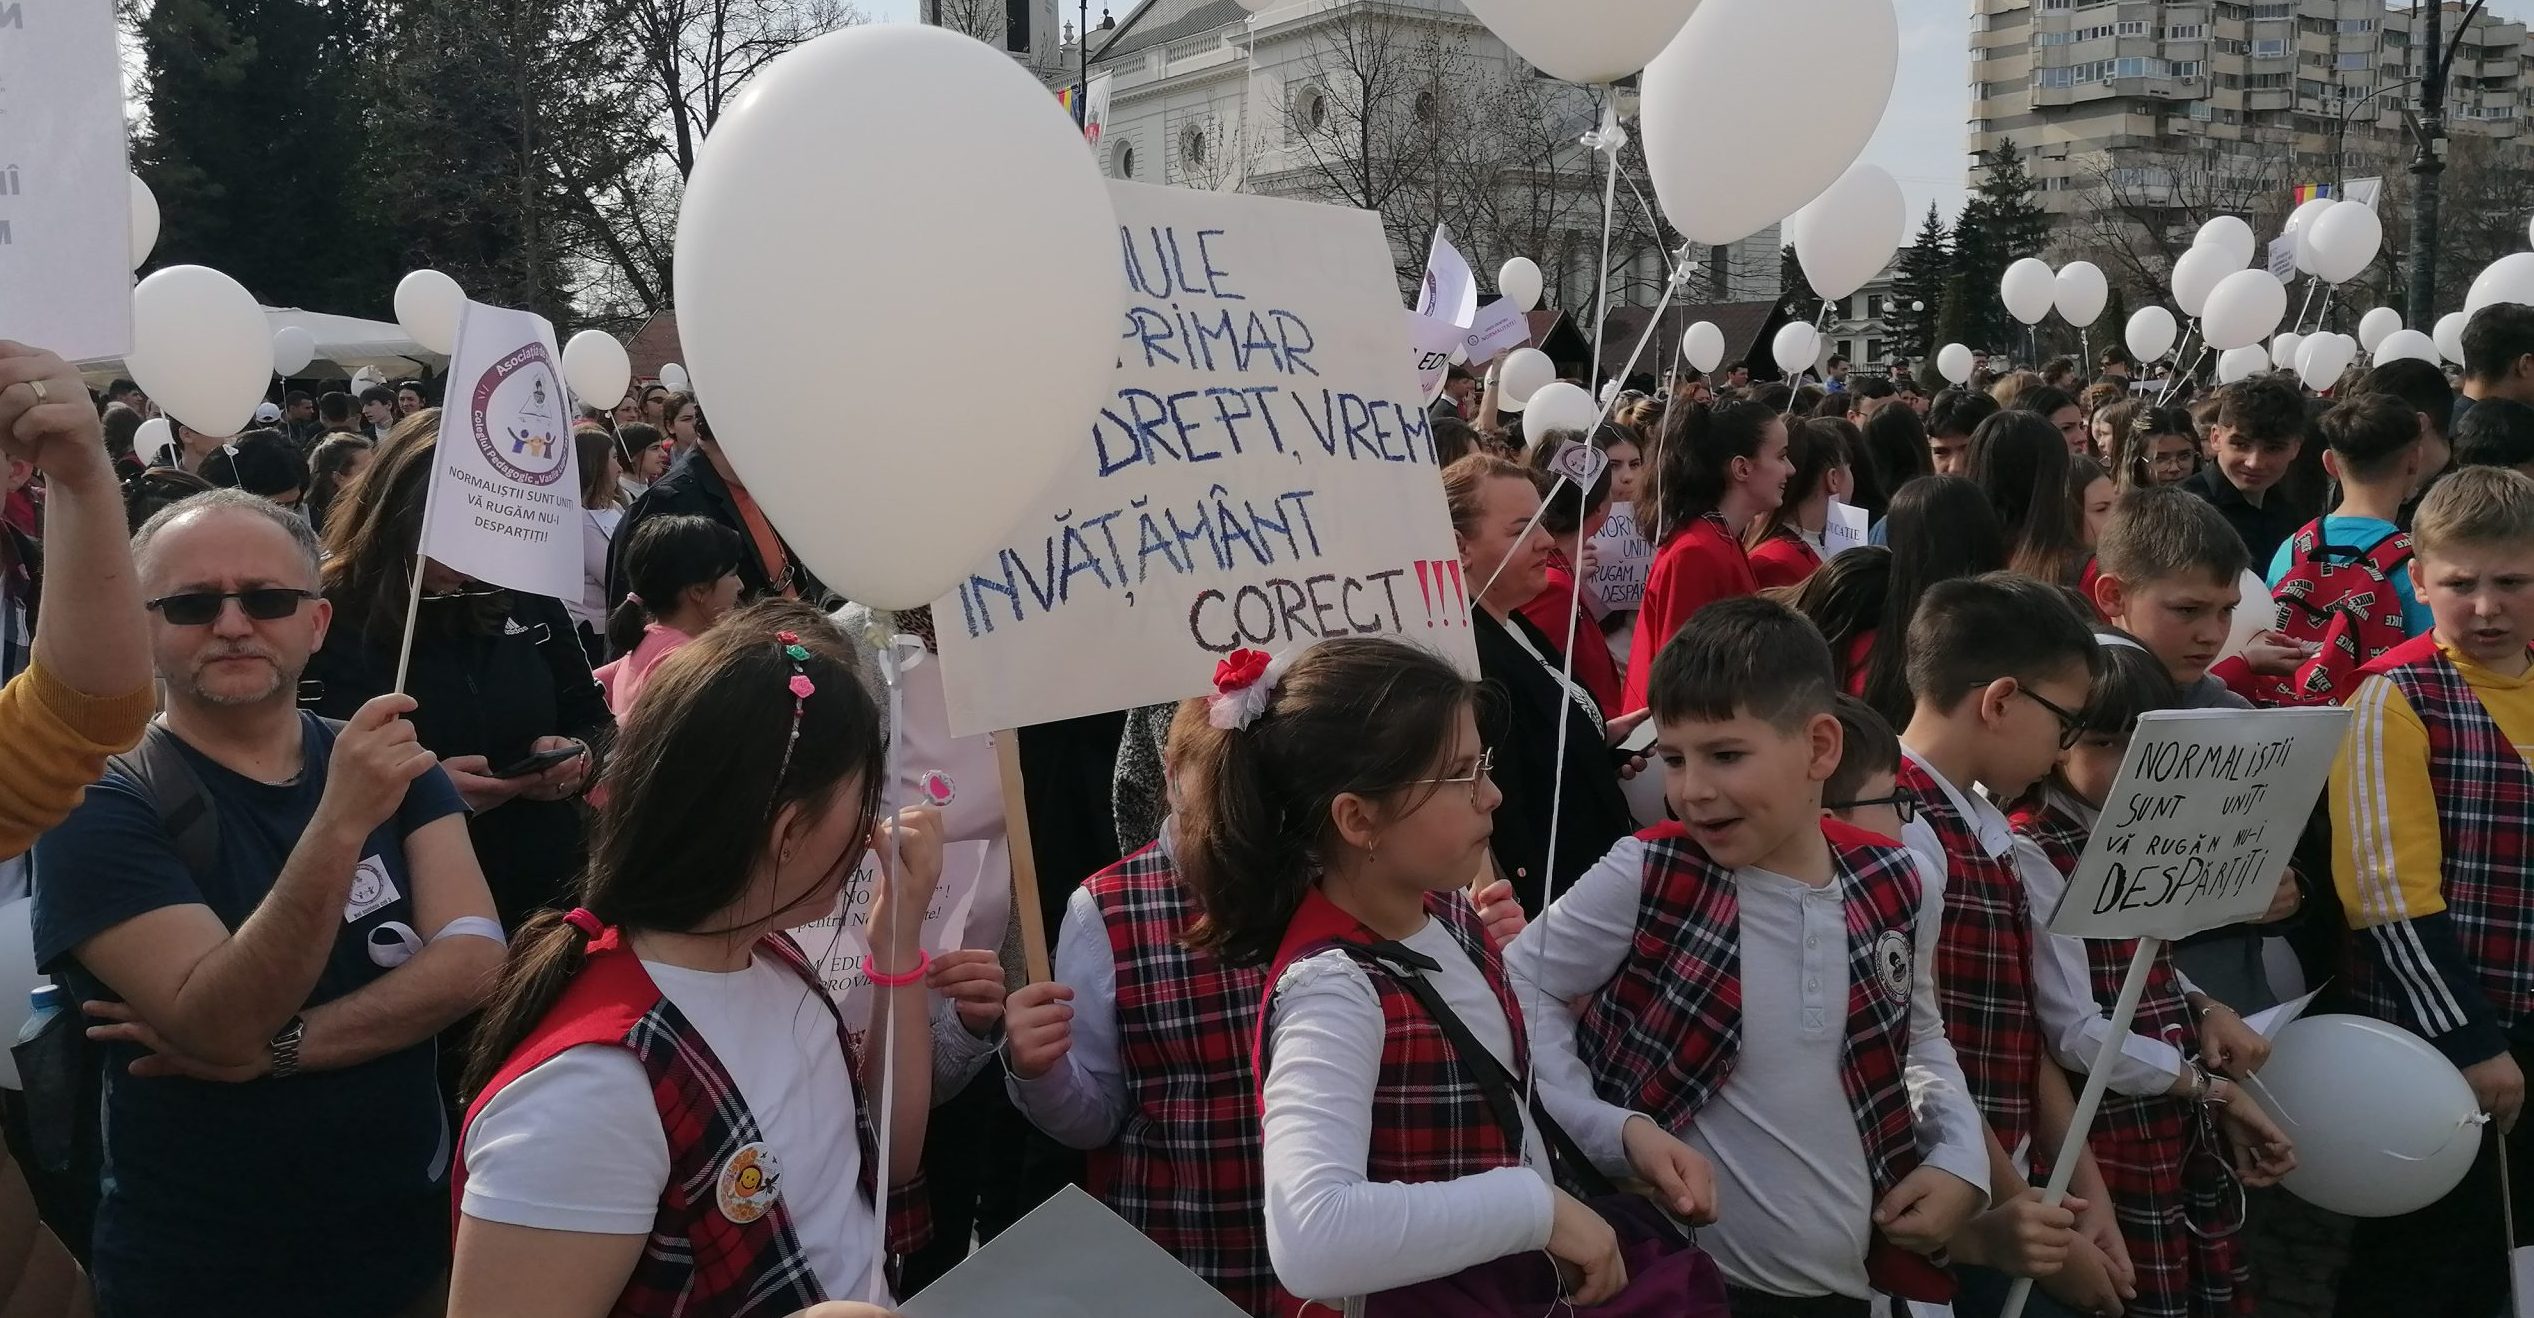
538, 762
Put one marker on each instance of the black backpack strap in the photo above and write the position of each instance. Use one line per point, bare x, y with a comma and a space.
184, 804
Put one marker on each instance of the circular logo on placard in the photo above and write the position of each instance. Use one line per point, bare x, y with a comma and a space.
746, 1187
518, 418
1891, 962
937, 787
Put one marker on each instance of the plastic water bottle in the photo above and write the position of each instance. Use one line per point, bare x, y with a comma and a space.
45, 1003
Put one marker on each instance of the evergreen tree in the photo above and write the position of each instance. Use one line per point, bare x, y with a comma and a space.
2002, 224
1918, 289
1798, 297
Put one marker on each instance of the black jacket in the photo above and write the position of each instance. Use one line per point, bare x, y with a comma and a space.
1594, 816
693, 488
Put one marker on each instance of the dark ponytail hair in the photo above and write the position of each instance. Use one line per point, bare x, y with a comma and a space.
666, 557
1816, 448
1941, 527
1559, 515
1694, 464
2020, 461
1843, 599
694, 786
1358, 715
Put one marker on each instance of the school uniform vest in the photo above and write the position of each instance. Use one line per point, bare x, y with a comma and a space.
1662, 1036
701, 1261
2485, 795
1185, 1169
1983, 966
1430, 1120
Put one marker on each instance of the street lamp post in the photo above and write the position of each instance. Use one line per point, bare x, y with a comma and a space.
2429, 162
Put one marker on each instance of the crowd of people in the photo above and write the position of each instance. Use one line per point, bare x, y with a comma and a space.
471, 990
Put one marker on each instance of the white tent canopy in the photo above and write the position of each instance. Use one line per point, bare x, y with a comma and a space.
344, 344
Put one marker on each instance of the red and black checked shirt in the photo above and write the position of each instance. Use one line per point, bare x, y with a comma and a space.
2485, 798
1185, 1169
1662, 1036
1983, 965
698, 1263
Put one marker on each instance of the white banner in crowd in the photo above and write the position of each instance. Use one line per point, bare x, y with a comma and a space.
1450, 290
2199, 825
1430, 344
65, 198
506, 487
1624, 557
1500, 327
1262, 477
1095, 108
839, 946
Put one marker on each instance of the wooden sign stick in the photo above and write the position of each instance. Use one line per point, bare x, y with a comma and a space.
1007, 755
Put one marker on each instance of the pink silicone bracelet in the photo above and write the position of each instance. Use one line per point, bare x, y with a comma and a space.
923, 962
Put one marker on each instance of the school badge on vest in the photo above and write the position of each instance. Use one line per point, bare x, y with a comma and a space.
1891, 962
746, 1187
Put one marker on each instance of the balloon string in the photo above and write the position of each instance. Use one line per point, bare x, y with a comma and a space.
1608, 141
2474, 1121
2311, 282
2175, 382
887, 1069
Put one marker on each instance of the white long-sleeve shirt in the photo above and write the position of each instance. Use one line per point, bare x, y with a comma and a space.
1082, 1100
1795, 1198
2073, 1022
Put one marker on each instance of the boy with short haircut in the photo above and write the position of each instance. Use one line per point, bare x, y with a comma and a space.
2259, 429
1951, 419
1863, 792
2439, 730
1757, 980
2169, 571
2343, 580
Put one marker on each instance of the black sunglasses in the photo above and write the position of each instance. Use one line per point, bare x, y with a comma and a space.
265, 604
1904, 804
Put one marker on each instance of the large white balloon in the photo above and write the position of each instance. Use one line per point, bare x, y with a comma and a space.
2449, 336
1526, 371
2150, 333
2383, 1123
596, 367
1559, 406
1589, 41
1520, 280
2375, 325
2029, 290
293, 348
152, 439
1954, 363
2283, 349
1703, 346
200, 348
2508, 279
2228, 234
2243, 309
2082, 291
2322, 357
2195, 275
1796, 349
2242, 363
1846, 236
2345, 240
2408, 343
144, 221
776, 238
428, 304
2299, 230
1723, 69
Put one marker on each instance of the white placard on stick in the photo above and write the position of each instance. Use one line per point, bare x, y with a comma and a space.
1500, 328
65, 198
839, 946
2199, 825
1847, 528
506, 482
1624, 557
1263, 477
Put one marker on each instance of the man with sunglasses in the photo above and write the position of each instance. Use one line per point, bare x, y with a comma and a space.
269, 997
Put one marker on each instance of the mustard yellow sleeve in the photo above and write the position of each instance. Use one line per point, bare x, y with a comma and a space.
2386, 856
54, 741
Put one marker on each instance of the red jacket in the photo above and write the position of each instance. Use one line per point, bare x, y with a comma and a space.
1698, 565
1595, 670
1783, 560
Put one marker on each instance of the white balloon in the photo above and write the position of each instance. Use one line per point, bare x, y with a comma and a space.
144, 221
2322, 357
2228, 234
1559, 406
2082, 291
152, 439
1526, 371
596, 367
2300, 229
200, 348
428, 304
1846, 236
673, 378
2257, 612
1721, 68
776, 237
2375, 325
1520, 280
18, 978
293, 348
1588, 41
2196, 274
2029, 290
2283, 349
2406, 343
2243, 309
2242, 363
1796, 349
2449, 336
2150, 333
2508, 279
2345, 240
1954, 363
2383, 1123
1459, 356
1703, 347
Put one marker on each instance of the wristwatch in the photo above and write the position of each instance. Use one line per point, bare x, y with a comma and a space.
284, 1048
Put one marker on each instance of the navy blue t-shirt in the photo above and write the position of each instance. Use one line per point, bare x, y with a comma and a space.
321, 1194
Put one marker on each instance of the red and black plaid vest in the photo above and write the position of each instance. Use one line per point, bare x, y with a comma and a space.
1430, 1121
2485, 795
698, 1263
2163, 1012
1185, 1169
1983, 965
1661, 1038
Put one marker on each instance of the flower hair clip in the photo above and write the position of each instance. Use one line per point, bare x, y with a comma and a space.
1244, 681
802, 689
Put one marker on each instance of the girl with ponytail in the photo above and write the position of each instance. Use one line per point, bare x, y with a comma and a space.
1717, 469
665, 1115
685, 577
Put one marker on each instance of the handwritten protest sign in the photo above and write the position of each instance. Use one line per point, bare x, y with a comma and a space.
1847, 528
1069, 1258
1263, 476
1625, 558
839, 946
2198, 827
506, 482
65, 198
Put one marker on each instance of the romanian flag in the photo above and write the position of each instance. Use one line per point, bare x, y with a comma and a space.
2306, 192
1064, 97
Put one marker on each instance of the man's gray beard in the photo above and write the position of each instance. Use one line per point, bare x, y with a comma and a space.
283, 684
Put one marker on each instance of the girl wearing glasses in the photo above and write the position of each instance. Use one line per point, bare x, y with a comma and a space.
2154, 446
2176, 1142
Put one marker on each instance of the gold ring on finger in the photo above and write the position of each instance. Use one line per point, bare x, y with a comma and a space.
41, 395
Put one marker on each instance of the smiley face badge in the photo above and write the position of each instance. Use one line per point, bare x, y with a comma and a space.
748, 1182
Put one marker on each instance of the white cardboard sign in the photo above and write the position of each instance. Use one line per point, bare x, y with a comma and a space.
1263, 477
1625, 556
839, 946
1069, 1258
2199, 826
1848, 528
1500, 328
65, 198
506, 480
